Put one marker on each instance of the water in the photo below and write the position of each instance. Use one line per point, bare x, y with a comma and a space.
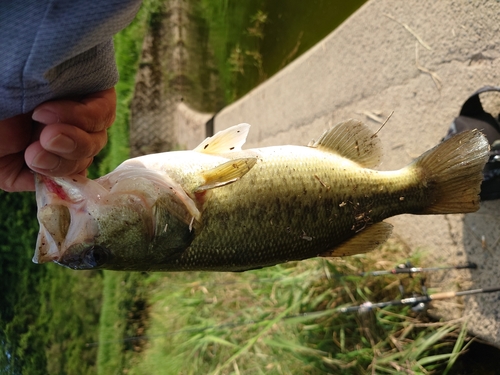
293, 29
290, 29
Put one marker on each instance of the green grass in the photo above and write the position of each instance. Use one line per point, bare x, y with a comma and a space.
111, 325
69, 317
124, 294
236, 50
48, 313
254, 322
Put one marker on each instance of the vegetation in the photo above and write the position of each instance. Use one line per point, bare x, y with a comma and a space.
19, 280
253, 40
40, 331
236, 50
128, 44
284, 320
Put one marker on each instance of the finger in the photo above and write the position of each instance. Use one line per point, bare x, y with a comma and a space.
94, 113
15, 134
14, 174
71, 142
47, 163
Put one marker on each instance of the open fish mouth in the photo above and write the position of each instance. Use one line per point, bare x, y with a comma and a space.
63, 215
77, 214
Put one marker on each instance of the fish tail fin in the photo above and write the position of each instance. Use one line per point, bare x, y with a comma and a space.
453, 173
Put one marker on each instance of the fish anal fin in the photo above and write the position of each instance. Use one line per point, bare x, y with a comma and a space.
367, 240
352, 140
226, 173
230, 139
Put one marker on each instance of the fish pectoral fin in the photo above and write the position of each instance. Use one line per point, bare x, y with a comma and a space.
226, 173
230, 139
352, 140
366, 240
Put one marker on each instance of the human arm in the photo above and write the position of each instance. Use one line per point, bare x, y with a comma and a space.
52, 52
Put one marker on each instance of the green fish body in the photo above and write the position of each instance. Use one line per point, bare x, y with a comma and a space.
221, 208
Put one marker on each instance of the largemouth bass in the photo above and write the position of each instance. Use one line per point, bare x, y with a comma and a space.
221, 208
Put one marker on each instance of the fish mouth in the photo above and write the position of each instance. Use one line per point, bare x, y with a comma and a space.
82, 257
63, 215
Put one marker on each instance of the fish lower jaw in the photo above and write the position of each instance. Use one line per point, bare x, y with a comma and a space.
45, 258
42, 255
47, 249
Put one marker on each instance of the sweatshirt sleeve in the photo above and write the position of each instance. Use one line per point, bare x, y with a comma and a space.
59, 48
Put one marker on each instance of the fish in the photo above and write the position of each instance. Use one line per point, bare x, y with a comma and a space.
223, 208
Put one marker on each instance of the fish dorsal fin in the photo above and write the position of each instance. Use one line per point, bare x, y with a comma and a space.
226, 173
367, 240
230, 139
352, 140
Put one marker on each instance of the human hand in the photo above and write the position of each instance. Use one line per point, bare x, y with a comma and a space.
63, 141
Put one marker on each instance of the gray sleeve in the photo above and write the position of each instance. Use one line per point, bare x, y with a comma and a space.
59, 48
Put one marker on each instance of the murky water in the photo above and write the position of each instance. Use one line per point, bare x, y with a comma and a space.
290, 28
293, 29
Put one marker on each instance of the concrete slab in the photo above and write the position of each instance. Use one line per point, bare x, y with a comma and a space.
420, 59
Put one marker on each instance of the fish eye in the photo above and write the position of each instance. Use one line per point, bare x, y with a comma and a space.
95, 256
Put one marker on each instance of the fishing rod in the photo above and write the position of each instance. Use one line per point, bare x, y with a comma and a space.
365, 307
404, 268
408, 268
414, 301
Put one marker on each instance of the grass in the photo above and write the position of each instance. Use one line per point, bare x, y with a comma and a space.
123, 296
284, 320
254, 39
47, 312
67, 327
235, 49
128, 45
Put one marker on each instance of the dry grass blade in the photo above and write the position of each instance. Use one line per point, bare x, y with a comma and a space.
434, 76
419, 39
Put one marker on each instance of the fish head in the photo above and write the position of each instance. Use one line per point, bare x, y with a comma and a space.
84, 225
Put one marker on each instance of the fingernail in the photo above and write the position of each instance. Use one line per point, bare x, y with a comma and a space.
46, 160
45, 116
61, 144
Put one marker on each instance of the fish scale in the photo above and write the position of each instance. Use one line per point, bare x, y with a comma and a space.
299, 217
